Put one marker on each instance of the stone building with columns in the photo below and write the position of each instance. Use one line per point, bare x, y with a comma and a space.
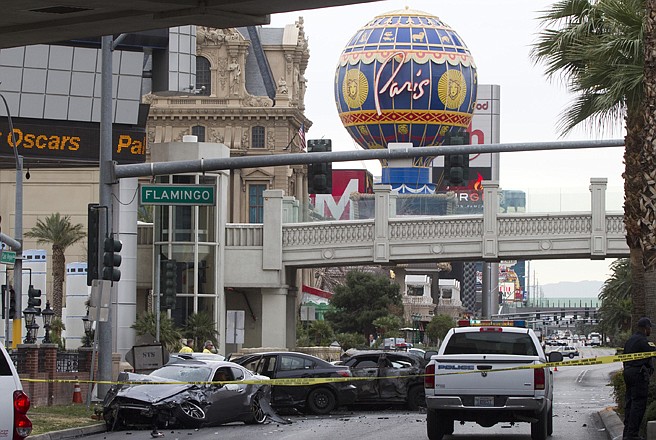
230, 104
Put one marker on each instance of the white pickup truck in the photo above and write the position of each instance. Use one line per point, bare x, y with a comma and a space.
473, 378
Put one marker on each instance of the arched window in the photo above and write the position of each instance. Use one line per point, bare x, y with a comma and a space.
203, 76
258, 136
199, 131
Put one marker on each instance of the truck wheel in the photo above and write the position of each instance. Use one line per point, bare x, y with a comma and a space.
434, 429
550, 421
539, 428
416, 398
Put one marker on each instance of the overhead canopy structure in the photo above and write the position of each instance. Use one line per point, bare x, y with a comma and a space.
25, 22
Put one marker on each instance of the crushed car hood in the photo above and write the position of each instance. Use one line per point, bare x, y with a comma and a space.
150, 393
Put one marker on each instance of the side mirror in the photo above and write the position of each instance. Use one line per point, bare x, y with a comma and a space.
428, 355
555, 356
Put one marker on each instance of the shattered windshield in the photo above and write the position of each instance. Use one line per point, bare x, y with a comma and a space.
182, 373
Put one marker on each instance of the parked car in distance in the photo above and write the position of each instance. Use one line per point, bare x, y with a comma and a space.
14, 403
317, 399
398, 377
188, 405
417, 351
567, 351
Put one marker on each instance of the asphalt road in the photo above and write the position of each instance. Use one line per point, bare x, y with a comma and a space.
580, 394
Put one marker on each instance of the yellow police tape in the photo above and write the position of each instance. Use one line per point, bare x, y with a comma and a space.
320, 380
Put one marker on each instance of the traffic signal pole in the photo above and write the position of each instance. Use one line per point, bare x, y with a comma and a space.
17, 329
105, 344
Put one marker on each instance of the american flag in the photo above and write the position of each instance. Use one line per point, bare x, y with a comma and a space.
301, 137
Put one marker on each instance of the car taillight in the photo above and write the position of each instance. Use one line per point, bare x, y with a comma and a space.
429, 378
539, 378
344, 373
22, 425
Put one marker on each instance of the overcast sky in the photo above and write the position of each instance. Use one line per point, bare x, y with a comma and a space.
499, 35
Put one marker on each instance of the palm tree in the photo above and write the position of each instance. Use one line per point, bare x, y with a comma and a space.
596, 47
58, 231
169, 334
201, 327
648, 161
615, 299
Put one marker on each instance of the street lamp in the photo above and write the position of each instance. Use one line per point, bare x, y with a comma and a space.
87, 329
47, 314
30, 325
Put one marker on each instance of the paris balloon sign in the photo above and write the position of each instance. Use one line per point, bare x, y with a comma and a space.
405, 76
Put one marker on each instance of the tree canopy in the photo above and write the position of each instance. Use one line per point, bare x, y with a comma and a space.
362, 299
439, 326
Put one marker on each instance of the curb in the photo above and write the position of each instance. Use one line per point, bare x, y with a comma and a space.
70, 433
612, 422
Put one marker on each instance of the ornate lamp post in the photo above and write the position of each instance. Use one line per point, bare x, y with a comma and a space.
47, 313
30, 325
87, 329
416, 317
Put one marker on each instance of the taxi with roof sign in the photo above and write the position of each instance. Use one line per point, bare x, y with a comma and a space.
488, 372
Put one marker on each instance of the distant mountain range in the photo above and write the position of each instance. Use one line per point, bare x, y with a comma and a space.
572, 289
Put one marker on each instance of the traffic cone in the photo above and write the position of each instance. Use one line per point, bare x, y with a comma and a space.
556, 368
77, 393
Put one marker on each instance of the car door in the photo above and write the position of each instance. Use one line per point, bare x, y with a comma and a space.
280, 395
365, 366
395, 376
292, 366
228, 401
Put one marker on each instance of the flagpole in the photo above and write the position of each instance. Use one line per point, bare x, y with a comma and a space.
290, 142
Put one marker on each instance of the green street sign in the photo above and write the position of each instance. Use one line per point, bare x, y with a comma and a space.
177, 195
8, 257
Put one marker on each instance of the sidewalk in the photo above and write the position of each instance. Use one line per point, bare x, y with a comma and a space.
70, 433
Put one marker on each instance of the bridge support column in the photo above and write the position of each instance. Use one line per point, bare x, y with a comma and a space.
274, 317
490, 297
598, 207
381, 226
490, 226
272, 233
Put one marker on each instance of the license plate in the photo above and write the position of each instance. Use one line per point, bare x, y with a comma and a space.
483, 401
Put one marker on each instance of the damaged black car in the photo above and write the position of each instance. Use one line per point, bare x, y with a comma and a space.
177, 395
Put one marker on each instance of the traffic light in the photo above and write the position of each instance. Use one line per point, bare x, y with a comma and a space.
12, 302
456, 166
587, 313
168, 283
34, 298
112, 259
93, 229
320, 175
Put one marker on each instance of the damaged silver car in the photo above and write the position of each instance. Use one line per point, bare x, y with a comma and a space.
175, 396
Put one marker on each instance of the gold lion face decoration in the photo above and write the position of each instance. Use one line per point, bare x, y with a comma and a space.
403, 129
355, 88
452, 88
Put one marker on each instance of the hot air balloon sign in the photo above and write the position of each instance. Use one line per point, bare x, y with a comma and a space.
405, 77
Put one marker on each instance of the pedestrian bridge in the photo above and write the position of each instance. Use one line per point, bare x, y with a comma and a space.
390, 239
